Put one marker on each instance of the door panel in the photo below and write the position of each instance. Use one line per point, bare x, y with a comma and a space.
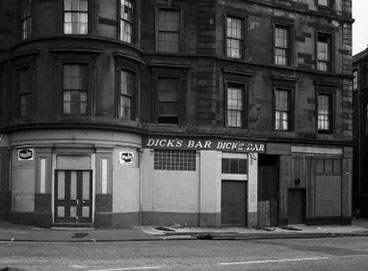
234, 203
296, 206
73, 190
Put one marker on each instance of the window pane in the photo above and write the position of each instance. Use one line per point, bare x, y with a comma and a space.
167, 90
323, 52
336, 167
126, 10
281, 37
282, 110
355, 79
234, 33
168, 20
75, 85
24, 102
168, 31
234, 106
328, 166
281, 56
175, 160
168, 100
324, 112
323, 2
320, 166
125, 107
168, 42
234, 28
126, 31
75, 16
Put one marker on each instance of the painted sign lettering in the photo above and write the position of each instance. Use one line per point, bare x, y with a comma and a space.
203, 144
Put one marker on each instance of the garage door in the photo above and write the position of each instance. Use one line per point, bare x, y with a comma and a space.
234, 203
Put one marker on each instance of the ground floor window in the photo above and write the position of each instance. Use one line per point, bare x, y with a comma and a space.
175, 160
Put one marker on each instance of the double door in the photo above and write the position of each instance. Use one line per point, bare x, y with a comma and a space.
73, 196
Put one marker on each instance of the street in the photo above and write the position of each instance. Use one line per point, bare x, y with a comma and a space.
346, 253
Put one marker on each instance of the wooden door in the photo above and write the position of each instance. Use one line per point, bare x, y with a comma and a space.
73, 196
234, 203
296, 206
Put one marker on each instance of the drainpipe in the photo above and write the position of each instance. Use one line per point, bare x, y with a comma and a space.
140, 153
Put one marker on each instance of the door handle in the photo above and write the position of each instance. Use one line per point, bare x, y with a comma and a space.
77, 201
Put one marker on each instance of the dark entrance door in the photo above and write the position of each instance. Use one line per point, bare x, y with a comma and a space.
73, 191
268, 190
234, 203
296, 206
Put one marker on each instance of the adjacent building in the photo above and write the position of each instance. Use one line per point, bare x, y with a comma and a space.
175, 112
360, 88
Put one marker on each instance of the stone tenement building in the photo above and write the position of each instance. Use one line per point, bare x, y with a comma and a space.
360, 97
187, 112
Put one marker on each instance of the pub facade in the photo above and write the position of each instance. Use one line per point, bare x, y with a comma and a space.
174, 112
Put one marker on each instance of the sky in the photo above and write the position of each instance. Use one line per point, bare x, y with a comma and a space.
360, 26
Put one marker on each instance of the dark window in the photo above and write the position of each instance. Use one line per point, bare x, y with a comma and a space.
24, 91
235, 106
355, 80
26, 18
75, 16
168, 31
126, 94
282, 45
168, 100
282, 110
234, 37
324, 112
328, 166
126, 20
174, 160
75, 88
234, 166
324, 52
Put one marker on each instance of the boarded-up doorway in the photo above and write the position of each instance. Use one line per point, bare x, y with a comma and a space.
234, 203
296, 206
268, 190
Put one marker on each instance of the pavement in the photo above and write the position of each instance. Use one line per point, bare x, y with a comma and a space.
15, 233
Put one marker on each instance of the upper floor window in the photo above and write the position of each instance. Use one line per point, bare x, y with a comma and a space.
168, 100
282, 45
26, 18
325, 3
168, 31
76, 17
24, 91
235, 105
324, 104
126, 94
234, 37
126, 20
282, 110
323, 52
355, 80
364, 76
75, 88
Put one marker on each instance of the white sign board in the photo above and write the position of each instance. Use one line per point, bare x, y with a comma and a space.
126, 157
25, 154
